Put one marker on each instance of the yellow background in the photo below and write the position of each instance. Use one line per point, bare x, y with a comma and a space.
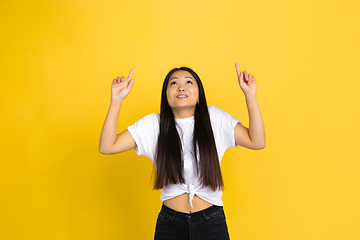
58, 59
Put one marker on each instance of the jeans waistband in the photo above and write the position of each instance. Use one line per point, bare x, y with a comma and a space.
203, 213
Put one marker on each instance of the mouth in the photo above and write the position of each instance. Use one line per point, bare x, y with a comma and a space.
181, 96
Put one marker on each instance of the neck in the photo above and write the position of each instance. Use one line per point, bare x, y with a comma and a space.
183, 113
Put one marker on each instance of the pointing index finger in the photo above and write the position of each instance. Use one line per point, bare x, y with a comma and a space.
130, 74
238, 69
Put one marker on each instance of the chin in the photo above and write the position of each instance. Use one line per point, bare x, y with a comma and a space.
183, 107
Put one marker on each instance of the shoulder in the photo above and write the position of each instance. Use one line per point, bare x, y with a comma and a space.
151, 120
218, 115
153, 117
216, 112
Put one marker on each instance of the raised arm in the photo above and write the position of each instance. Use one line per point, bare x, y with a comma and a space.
110, 141
254, 136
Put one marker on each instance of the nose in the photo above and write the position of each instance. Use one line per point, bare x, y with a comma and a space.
181, 89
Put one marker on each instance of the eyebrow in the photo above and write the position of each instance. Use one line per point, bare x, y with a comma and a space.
185, 77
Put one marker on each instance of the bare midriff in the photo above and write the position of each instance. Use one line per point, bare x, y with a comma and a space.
181, 204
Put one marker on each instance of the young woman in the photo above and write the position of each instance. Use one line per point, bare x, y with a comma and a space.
186, 142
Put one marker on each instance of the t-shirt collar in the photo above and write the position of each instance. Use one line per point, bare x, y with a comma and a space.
182, 120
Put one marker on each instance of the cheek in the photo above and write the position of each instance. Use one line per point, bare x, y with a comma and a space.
168, 93
195, 92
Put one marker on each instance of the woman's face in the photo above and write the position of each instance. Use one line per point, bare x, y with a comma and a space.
182, 94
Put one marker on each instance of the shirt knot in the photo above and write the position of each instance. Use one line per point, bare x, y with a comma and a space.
191, 191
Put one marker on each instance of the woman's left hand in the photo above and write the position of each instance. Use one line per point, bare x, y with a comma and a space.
246, 81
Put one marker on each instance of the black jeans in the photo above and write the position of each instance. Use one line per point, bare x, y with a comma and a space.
208, 224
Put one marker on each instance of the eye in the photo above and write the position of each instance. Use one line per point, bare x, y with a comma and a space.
173, 83
189, 82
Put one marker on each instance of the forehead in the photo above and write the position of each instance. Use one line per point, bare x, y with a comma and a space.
181, 74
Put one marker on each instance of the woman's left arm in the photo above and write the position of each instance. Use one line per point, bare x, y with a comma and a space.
254, 136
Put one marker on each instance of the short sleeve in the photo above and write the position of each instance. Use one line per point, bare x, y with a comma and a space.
223, 125
145, 133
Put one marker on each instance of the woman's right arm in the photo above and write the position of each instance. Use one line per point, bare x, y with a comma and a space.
110, 141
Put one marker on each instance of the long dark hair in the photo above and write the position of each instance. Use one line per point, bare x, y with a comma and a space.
168, 160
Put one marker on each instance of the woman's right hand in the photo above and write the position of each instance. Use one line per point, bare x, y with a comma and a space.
121, 88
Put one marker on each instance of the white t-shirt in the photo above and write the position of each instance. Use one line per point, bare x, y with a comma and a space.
146, 131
